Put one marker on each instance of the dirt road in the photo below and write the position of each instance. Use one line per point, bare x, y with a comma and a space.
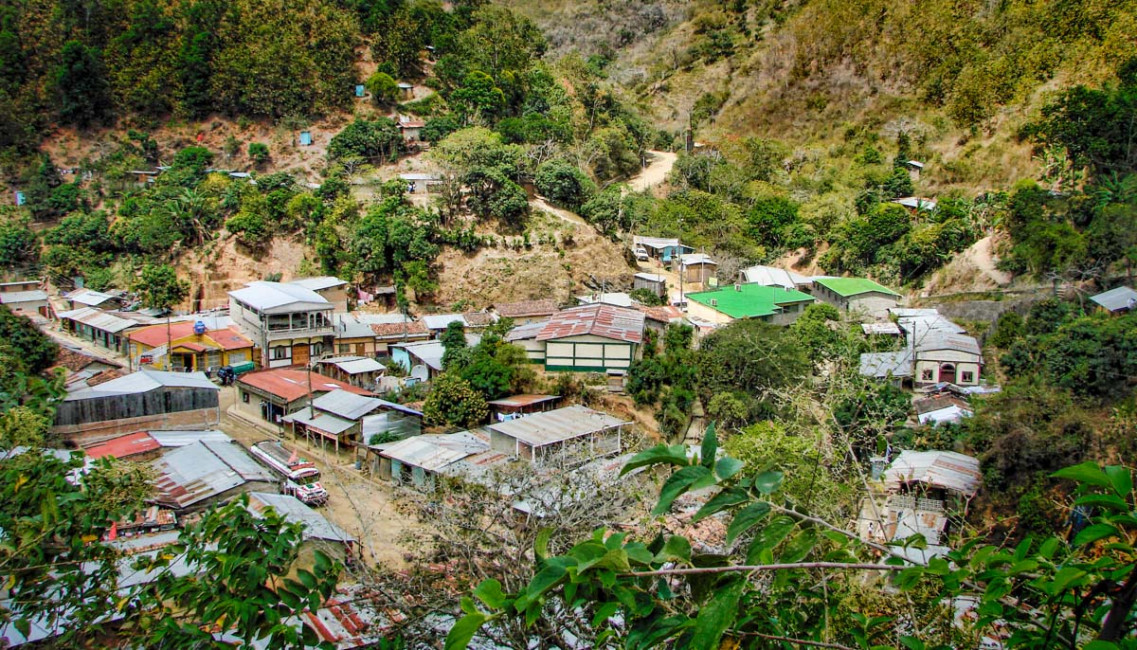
655, 173
366, 509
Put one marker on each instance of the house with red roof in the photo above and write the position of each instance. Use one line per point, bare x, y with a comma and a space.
592, 338
272, 394
192, 347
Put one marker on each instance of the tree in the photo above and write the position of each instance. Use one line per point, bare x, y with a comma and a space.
375, 141
453, 341
564, 184
80, 83
760, 588
258, 152
19, 245
160, 288
384, 90
31, 346
453, 401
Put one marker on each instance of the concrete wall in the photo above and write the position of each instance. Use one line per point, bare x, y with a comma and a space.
873, 305
930, 367
588, 354
90, 432
710, 314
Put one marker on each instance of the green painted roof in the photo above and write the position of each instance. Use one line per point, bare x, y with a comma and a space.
847, 287
750, 301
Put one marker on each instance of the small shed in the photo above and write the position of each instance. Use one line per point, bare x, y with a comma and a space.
697, 267
355, 370
653, 282
406, 90
305, 138
942, 409
514, 406
565, 434
939, 471
1116, 301
895, 366
27, 303
417, 461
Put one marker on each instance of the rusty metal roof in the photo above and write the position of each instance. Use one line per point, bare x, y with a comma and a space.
947, 470
526, 399
291, 384
202, 470
602, 320
124, 446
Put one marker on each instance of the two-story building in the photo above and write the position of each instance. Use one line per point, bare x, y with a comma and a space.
290, 324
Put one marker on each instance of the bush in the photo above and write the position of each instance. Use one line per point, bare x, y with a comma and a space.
564, 184
258, 152
453, 401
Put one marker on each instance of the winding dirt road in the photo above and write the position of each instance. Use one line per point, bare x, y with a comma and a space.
655, 173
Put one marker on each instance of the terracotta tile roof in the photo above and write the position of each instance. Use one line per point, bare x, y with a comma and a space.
74, 360
664, 314
291, 384
602, 320
478, 318
105, 376
527, 308
396, 330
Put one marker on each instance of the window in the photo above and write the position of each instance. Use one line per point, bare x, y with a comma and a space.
281, 352
344, 348
244, 397
968, 377
927, 374
317, 349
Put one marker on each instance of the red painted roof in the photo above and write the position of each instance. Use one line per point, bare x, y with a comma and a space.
607, 321
155, 335
291, 384
124, 446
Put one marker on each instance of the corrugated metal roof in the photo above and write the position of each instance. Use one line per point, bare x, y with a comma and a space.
316, 526
202, 470
555, 426
662, 314
88, 297
692, 259
348, 326
883, 364
941, 469
523, 400
143, 381
651, 277
916, 203
527, 308
325, 422
369, 318
13, 297
319, 283
527, 331
936, 340
849, 287
430, 352
183, 438
124, 446
98, 319
441, 321
1113, 300
655, 242
355, 365
399, 330
888, 329
617, 298
427, 452
275, 297
605, 321
772, 276
290, 384
348, 405
479, 318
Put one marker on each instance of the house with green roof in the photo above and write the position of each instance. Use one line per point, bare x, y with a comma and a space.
776, 305
856, 295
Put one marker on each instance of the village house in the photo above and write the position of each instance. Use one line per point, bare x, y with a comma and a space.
411, 129
916, 204
318, 532
527, 311
289, 323
920, 486
420, 460
775, 305
333, 289
192, 347
437, 323
1115, 301
661, 248
942, 409
140, 401
514, 406
28, 302
658, 318
201, 474
16, 286
401, 331
697, 268
525, 337
592, 338
269, 395
562, 435
353, 336
104, 329
856, 295
653, 282
78, 366
90, 298
943, 357
772, 276
895, 366
363, 372
419, 183
338, 417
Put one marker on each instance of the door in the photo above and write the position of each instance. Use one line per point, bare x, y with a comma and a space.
300, 354
947, 373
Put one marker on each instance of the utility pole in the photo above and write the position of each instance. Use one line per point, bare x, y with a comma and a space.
679, 252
